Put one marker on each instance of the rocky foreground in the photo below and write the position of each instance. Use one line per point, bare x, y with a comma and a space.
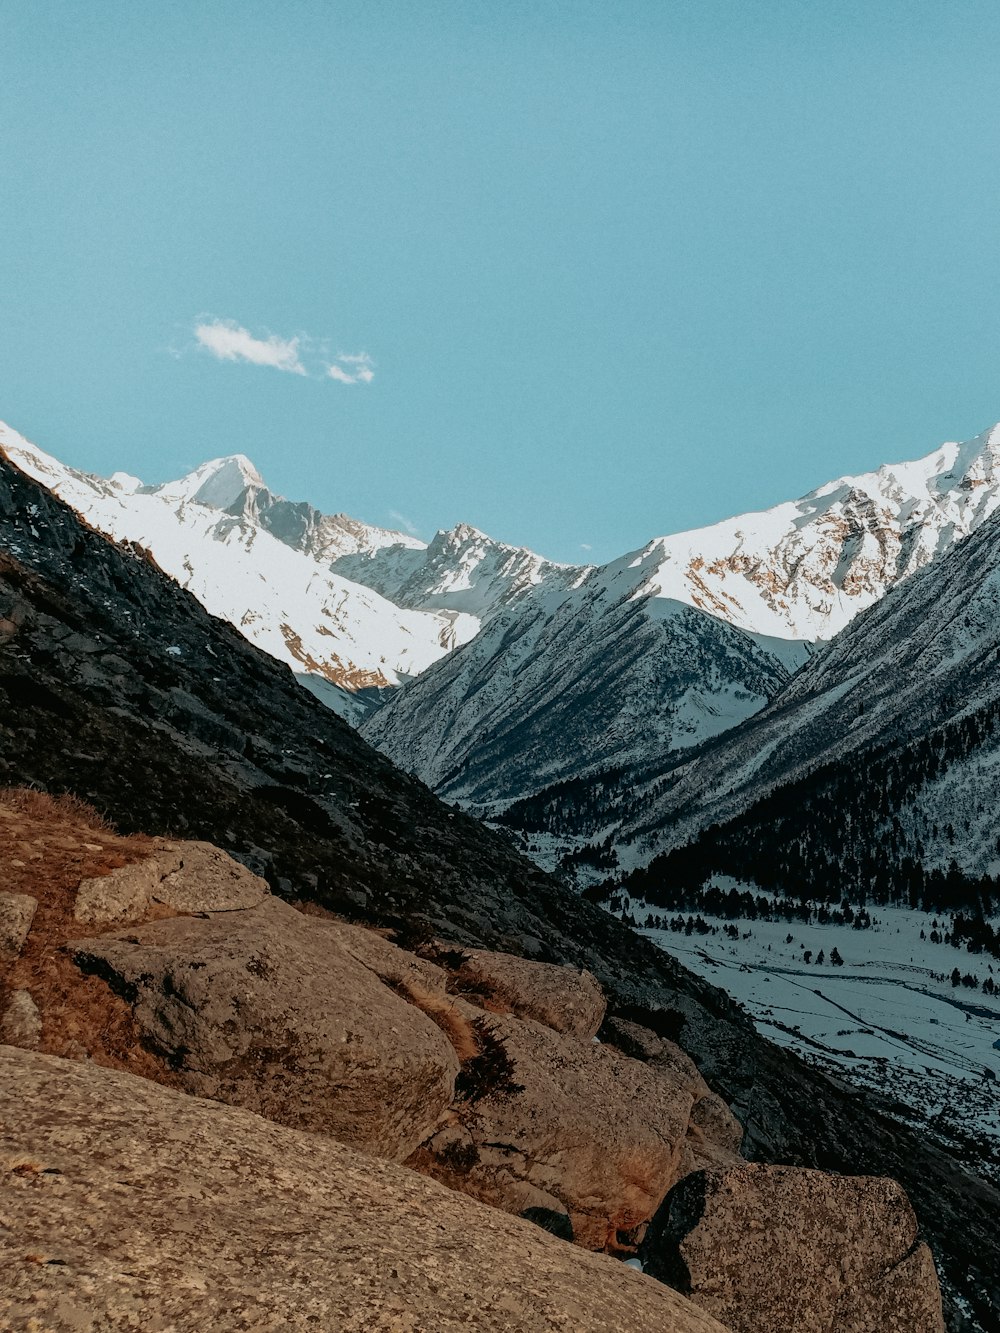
218, 1110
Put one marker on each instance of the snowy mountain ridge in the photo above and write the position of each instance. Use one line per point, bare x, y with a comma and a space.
673, 644
876, 764
805, 568
216, 532
658, 650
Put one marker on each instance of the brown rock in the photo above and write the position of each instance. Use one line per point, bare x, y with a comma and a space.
269, 1009
394, 966
600, 1136
564, 998
128, 1206
21, 1024
714, 1134
185, 876
632, 1039
121, 896
197, 877
771, 1249
17, 911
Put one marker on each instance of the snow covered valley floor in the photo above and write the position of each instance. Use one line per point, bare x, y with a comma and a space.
887, 1019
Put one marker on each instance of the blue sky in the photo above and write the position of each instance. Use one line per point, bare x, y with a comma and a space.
584, 272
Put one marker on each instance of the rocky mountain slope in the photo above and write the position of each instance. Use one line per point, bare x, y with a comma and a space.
115, 684
476, 1068
568, 682
880, 752
303, 1253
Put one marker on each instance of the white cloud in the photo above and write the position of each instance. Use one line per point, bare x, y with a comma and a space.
586, 546
405, 523
229, 341
354, 369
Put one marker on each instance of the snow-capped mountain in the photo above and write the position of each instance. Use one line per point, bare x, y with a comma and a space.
681, 640
875, 766
567, 680
565, 669
804, 569
234, 485
461, 570
901, 712
257, 561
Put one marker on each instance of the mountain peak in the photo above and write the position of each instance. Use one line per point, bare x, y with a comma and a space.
218, 483
465, 532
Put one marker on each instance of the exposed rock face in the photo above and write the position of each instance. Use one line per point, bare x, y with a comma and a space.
21, 1024
127, 1206
478, 1069
714, 1135
119, 897
782, 1250
186, 876
16, 913
559, 1122
265, 1008
566, 999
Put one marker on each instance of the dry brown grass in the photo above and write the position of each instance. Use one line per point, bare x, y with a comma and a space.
48, 844
447, 1015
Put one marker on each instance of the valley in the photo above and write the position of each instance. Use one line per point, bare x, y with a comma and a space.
889, 1018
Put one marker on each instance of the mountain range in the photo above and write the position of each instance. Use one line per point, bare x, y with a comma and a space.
492, 673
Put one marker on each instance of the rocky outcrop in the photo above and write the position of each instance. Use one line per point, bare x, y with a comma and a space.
184, 876
265, 1008
16, 913
21, 1024
782, 1250
129, 1206
478, 1069
566, 999
483, 1072
557, 1122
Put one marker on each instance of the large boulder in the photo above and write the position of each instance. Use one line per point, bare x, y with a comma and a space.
128, 1206
714, 1135
271, 1010
545, 1120
769, 1249
183, 876
567, 999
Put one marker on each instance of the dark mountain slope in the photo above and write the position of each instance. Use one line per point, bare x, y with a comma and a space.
874, 769
116, 685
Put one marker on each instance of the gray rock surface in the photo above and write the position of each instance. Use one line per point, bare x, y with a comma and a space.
21, 1024
118, 897
17, 910
128, 1206
198, 877
770, 1249
185, 876
558, 1122
268, 1009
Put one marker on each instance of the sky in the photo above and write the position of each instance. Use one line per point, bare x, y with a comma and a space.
576, 273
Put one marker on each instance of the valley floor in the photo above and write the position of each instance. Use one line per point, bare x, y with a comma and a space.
887, 1020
